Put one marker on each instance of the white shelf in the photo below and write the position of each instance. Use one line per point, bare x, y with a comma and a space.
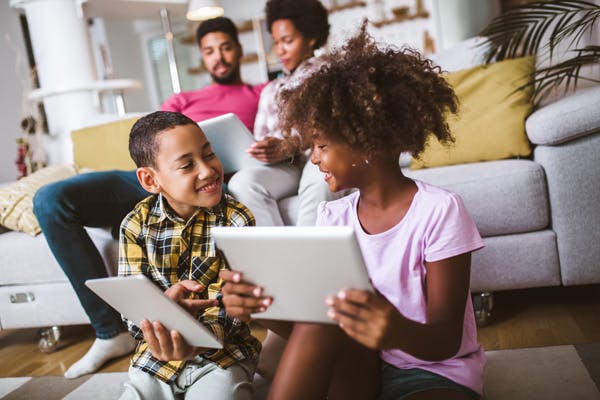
109, 85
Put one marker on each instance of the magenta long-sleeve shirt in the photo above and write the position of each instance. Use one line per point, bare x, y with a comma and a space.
216, 99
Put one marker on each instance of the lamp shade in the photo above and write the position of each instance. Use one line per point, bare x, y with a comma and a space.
199, 10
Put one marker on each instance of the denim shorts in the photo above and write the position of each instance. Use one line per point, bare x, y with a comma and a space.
397, 383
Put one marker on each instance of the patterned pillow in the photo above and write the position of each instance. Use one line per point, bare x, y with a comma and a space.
16, 199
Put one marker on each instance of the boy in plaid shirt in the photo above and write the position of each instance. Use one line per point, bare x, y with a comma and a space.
167, 238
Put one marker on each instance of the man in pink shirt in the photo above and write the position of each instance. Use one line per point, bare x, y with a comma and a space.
101, 199
221, 55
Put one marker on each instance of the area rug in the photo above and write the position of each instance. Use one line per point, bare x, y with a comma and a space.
97, 386
544, 373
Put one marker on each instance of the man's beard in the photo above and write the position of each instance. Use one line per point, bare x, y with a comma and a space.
229, 78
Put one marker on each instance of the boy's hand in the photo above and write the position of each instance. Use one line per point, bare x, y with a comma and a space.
272, 149
165, 345
366, 317
184, 292
241, 298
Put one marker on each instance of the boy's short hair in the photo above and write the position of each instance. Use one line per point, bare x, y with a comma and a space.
143, 145
219, 24
308, 16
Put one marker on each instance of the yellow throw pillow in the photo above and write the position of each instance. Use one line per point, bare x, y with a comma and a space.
16, 199
103, 147
491, 120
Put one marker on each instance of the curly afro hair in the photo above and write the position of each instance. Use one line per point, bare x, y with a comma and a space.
308, 16
377, 101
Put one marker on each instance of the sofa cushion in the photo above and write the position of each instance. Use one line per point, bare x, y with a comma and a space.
491, 120
503, 197
26, 259
508, 262
16, 199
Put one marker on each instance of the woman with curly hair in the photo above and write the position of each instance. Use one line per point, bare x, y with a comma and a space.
298, 28
415, 335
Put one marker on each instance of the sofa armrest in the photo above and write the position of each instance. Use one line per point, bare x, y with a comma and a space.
573, 116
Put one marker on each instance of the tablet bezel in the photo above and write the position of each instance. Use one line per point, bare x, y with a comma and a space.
137, 298
298, 266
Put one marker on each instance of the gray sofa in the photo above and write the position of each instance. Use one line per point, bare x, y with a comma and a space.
538, 217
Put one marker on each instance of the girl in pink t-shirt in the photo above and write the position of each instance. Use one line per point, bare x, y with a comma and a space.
415, 337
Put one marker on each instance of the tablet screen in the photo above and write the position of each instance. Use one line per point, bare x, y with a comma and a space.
298, 266
229, 139
137, 298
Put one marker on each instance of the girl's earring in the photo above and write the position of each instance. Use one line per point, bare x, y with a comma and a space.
366, 161
354, 165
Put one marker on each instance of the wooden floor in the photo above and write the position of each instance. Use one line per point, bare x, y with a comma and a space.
522, 318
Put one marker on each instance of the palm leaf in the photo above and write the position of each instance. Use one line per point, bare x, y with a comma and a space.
520, 31
564, 74
538, 28
588, 20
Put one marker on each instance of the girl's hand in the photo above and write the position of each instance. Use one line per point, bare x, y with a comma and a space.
366, 317
184, 294
273, 150
242, 298
167, 346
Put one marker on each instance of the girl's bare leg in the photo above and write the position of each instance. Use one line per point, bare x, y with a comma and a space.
321, 360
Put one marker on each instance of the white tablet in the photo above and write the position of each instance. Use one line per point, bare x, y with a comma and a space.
137, 298
298, 266
229, 139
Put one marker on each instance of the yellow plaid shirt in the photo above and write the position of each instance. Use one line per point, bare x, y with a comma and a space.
154, 241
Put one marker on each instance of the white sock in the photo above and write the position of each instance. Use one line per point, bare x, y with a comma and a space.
101, 351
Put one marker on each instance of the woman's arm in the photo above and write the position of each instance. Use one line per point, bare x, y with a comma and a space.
274, 150
271, 145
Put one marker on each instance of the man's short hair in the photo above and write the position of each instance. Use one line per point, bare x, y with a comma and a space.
219, 24
143, 145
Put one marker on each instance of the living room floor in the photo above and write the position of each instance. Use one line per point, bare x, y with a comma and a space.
521, 318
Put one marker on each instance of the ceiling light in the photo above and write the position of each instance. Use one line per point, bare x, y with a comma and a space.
199, 10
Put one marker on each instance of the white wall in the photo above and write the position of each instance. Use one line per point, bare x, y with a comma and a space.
128, 61
240, 11
461, 19
10, 93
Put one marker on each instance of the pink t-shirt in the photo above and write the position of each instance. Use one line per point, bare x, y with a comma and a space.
435, 227
216, 99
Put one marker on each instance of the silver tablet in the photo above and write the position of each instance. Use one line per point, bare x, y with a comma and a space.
229, 139
137, 298
298, 266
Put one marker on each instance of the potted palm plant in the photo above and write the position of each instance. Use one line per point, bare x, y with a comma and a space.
541, 28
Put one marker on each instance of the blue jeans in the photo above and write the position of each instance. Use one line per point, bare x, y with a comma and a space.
97, 199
